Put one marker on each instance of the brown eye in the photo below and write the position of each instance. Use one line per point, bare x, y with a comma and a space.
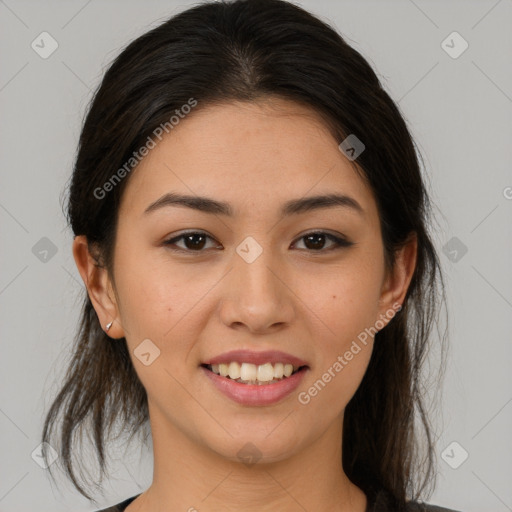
194, 241
316, 241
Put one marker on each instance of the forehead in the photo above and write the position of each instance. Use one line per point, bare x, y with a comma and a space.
247, 153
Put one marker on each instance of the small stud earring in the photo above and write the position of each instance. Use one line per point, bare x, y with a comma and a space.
109, 325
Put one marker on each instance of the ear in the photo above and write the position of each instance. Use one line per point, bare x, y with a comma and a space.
396, 283
99, 286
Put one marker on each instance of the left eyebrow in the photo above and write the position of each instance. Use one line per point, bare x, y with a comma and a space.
292, 207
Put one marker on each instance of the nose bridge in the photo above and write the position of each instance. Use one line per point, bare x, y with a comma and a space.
253, 264
255, 294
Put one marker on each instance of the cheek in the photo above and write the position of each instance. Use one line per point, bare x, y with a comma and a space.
344, 351
145, 300
161, 301
344, 298
344, 306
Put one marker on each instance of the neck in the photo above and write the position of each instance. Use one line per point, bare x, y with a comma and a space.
189, 476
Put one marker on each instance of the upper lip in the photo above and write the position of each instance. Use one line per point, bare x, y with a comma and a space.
257, 358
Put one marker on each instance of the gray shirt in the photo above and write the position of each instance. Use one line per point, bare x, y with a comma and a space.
380, 502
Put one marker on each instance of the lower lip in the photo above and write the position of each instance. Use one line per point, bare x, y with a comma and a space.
254, 394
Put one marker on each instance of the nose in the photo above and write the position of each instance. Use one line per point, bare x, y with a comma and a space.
257, 295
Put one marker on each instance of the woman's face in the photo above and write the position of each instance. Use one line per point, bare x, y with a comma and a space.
250, 281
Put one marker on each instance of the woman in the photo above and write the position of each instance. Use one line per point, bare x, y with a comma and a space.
251, 225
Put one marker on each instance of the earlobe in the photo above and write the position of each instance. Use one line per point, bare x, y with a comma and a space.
397, 283
99, 287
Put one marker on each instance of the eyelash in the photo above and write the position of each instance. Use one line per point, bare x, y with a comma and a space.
340, 243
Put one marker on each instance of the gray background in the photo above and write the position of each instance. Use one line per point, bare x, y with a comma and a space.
459, 111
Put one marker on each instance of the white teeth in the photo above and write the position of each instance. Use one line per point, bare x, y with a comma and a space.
265, 372
248, 371
234, 371
254, 374
278, 370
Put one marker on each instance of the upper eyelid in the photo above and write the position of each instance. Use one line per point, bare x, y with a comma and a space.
341, 237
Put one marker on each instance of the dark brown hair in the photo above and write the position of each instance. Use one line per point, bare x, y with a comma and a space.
246, 50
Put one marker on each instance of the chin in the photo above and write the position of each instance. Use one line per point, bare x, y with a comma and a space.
252, 444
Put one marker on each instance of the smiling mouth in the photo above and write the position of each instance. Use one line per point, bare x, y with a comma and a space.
248, 373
